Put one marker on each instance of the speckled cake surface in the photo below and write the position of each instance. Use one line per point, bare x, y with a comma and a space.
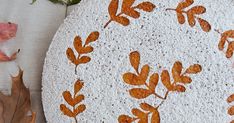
155, 42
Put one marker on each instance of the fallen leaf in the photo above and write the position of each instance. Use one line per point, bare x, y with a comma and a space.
7, 31
5, 58
17, 105
146, 6
135, 60
139, 93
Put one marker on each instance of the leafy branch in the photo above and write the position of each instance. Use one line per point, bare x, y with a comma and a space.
73, 101
230, 99
63, 2
81, 50
224, 40
128, 10
191, 14
139, 79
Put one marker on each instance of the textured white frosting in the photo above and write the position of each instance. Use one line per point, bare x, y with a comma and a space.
161, 41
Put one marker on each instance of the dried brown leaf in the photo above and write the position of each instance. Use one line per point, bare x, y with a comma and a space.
81, 108
155, 117
84, 59
230, 98
194, 69
230, 50
197, 10
66, 111
179, 88
132, 79
71, 56
125, 119
147, 107
92, 37
113, 7
139, 93
78, 86
77, 43
176, 71
146, 6
135, 60
165, 78
204, 25
153, 82
16, 106
231, 110
180, 17
184, 4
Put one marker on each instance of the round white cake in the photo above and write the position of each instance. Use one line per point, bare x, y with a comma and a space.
121, 73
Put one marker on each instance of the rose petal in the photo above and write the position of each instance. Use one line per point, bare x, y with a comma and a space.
5, 58
7, 31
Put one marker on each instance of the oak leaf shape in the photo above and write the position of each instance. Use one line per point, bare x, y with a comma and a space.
15, 107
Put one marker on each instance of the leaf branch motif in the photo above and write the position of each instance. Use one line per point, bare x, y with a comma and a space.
139, 78
73, 101
81, 50
128, 10
225, 40
230, 99
191, 14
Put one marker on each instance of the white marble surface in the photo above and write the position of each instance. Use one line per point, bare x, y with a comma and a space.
37, 25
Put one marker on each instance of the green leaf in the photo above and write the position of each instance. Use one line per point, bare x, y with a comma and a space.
73, 2
33, 1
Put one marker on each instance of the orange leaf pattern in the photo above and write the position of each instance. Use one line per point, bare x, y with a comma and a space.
85, 49
230, 44
191, 14
73, 101
230, 99
179, 76
128, 10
